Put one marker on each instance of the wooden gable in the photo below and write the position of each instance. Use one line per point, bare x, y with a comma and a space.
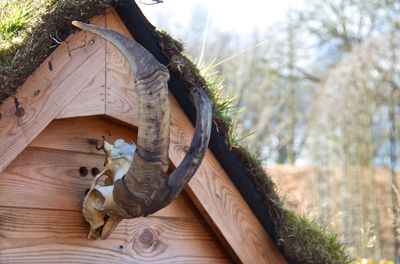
81, 92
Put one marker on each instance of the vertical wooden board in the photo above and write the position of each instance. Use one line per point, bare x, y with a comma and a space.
54, 236
121, 96
76, 65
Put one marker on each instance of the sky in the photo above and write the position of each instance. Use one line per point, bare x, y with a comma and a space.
227, 15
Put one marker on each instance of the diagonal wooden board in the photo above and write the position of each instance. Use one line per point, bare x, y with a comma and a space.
78, 85
91, 99
77, 64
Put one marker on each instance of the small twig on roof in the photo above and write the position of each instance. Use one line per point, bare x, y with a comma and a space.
154, 2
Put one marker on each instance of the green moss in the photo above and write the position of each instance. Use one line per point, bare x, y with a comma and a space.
31, 29
312, 244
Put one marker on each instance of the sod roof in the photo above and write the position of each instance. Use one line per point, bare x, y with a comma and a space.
30, 30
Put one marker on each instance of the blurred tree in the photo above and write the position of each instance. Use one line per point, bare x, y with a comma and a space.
340, 28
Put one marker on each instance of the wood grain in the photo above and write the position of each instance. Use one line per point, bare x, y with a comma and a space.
42, 178
50, 236
121, 99
77, 63
80, 134
91, 100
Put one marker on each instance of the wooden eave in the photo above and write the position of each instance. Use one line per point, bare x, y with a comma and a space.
85, 76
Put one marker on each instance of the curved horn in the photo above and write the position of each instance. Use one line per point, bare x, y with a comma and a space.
150, 161
174, 184
145, 188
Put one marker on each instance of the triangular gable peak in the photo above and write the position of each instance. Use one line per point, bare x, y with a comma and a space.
84, 77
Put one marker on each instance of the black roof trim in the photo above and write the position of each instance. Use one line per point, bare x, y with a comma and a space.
142, 29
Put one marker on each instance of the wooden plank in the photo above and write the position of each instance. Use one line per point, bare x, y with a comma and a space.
53, 236
42, 178
76, 63
91, 100
80, 134
121, 99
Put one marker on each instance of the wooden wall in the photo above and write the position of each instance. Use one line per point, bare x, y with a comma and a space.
41, 194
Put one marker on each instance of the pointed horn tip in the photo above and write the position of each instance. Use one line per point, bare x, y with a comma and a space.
79, 25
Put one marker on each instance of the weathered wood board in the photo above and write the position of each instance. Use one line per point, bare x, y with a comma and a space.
83, 134
54, 236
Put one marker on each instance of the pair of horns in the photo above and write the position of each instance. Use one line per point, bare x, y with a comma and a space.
145, 188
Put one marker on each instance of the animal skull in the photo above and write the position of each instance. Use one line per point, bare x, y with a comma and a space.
119, 157
136, 183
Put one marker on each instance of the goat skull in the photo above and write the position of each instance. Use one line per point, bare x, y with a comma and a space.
136, 182
119, 157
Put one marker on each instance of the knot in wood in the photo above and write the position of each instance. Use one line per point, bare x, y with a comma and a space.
147, 238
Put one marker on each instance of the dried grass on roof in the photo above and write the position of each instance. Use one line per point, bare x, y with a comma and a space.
30, 30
